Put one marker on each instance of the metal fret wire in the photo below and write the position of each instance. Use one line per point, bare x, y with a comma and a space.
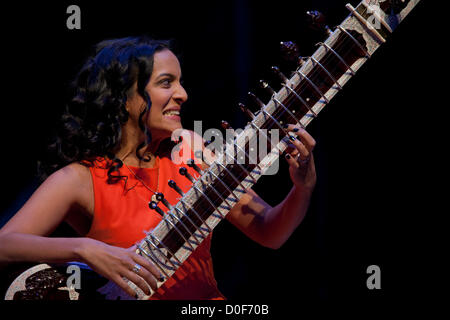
196, 213
151, 244
312, 79
313, 75
288, 88
278, 102
202, 234
197, 240
246, 154
248, 174
224, 184
150, 255
179, 232
218, 194
153, 237
337, 56
305, 77
209, 200
326, 71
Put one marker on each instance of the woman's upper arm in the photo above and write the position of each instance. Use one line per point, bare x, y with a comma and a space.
48, 206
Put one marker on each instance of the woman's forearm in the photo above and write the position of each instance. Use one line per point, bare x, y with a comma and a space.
281, 221
19, 247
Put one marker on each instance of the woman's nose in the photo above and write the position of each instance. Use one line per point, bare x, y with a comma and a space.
180, 94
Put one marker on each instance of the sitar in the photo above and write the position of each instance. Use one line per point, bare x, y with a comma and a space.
216, 189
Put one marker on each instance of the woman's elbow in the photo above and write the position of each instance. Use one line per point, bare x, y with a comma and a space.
273, 244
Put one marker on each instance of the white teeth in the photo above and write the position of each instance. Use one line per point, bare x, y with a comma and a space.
172, 113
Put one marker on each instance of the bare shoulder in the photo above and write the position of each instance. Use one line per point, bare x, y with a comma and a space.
70, 176
75, 172
75, 179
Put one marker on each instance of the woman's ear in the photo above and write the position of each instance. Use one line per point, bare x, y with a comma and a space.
131, 94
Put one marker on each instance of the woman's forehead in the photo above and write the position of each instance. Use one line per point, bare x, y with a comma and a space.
165, 61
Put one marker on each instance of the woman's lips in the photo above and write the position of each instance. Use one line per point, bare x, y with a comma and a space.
172, 117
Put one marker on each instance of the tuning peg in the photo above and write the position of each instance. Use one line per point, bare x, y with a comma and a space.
289, 51
279, 74
183, 171
256, 99
225, 125
318, 21
207, 143
178, 140
160, 197
246, 110
191, 163
266, 86
301, 60
154, 206
174, 186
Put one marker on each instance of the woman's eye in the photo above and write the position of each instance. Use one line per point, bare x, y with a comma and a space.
165, 82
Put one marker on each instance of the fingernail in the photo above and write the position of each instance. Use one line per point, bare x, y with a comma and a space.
295, 129
285, 126
292, 138
288, 156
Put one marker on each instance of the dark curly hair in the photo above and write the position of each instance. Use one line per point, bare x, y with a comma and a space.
91, 125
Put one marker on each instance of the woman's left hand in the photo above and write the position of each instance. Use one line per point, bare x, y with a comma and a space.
300, 158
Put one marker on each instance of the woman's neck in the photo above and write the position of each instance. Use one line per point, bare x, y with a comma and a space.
131, 140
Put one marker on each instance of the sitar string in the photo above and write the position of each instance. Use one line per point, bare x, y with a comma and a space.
316, 73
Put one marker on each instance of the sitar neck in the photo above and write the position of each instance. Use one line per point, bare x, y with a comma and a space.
300, 99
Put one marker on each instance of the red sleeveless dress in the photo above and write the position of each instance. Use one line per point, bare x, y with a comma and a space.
122, 215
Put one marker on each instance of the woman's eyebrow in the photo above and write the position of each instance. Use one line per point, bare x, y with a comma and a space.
165, 75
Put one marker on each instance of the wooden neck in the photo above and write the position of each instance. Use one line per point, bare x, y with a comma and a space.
299, 100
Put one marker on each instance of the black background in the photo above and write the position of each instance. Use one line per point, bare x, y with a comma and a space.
374, 140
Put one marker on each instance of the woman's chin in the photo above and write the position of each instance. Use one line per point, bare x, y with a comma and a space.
166, 131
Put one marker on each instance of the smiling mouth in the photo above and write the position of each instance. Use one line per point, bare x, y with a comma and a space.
171, 113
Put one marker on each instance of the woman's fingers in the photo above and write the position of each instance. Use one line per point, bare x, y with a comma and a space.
137, 278
115, 264
152, 270
146, 263
302, 150
304, 143
308, 141
124, 286
292, 161
145, 274
138, 275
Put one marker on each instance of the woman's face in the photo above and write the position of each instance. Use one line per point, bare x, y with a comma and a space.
166, 94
